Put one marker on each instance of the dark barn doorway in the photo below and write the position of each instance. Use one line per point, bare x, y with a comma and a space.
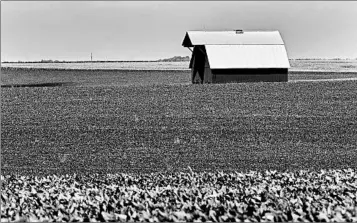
198, 66
201, 71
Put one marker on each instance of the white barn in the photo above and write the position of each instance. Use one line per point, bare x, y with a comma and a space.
237, 56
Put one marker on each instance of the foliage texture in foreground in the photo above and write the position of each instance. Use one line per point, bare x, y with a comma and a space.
254, 196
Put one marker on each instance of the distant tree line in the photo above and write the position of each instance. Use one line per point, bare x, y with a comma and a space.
175, 59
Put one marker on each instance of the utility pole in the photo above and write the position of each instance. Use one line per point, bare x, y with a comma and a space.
91, 57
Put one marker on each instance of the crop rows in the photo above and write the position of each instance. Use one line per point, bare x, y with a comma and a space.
99, 152
169, 127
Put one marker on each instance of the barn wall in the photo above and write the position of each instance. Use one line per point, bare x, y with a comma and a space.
249, 75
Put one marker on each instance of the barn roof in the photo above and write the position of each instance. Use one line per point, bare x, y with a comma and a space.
193, 38
247, 56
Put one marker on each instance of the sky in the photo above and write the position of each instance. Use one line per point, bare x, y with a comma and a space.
149, 30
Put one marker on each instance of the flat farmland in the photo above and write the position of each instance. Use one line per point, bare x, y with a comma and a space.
145, 145
153, 127
30, 77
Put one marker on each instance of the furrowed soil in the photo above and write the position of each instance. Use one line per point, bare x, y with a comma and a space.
148, 121
63, 132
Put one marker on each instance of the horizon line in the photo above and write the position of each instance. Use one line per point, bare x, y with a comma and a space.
159, 60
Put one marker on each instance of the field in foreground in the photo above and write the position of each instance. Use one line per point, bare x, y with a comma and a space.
267, 196
255, 126
138, 122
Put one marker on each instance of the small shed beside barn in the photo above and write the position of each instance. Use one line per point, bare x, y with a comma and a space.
237, 56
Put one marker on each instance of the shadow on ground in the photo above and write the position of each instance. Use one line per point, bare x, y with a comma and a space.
56, 84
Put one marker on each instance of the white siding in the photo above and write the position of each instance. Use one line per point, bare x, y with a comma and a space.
247, 56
